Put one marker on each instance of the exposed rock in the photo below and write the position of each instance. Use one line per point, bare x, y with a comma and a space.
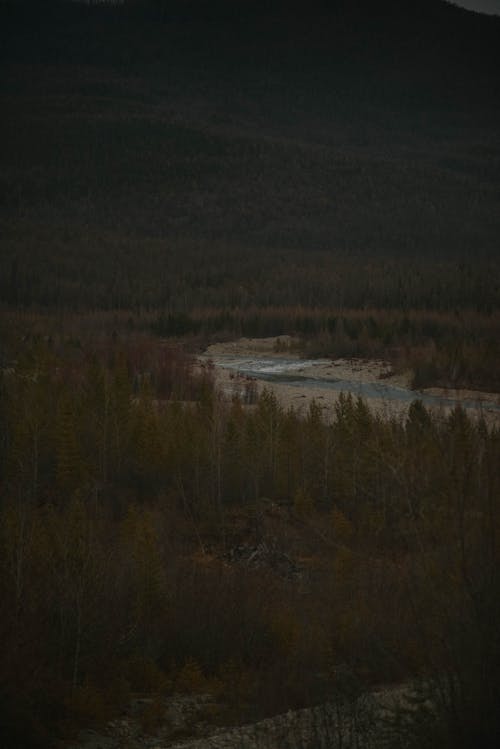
349, 721
265, 555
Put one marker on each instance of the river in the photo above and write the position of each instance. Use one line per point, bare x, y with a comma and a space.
319, 375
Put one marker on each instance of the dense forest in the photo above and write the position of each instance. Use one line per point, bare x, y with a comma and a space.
129, 483
176, 173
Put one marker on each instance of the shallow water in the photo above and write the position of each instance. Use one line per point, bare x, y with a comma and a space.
287, 372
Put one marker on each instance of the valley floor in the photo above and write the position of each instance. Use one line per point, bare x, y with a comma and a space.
233, 360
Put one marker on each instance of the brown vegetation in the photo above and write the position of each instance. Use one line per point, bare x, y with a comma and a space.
126, 482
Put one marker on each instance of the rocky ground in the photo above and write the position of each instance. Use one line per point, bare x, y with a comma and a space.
184, 723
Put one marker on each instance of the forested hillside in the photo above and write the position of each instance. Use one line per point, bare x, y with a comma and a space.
173, 159
243, 166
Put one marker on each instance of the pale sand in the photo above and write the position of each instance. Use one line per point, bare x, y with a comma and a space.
286, 347
355, 370
300, 397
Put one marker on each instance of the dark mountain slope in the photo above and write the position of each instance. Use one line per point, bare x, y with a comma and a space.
420, 41
143, 139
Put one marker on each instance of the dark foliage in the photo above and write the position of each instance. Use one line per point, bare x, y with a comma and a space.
129, 484
190, 161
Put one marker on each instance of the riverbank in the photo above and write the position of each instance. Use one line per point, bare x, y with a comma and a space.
275, 364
